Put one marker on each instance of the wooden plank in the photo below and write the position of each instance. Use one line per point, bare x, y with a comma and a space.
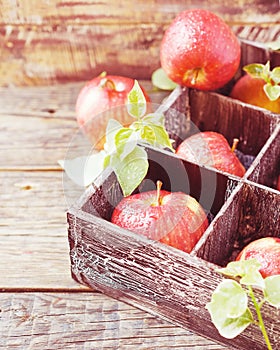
83, 12
60, 41
48, 56
48, 128
33, 232
45, 140
56, 100
86, 321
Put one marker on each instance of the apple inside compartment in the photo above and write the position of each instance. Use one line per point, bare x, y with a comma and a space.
209, 188
188, 112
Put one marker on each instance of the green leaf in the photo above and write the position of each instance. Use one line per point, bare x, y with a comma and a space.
228, 309
84, 170
136, 103
148, 134
125, 141
154, 118
113, 127
248, 270
272, 290
256, 70
162, 81
274, 45
272, 91
232, 327
229, 300
266, 71
131, 170
275, 75
162, 139
152, 130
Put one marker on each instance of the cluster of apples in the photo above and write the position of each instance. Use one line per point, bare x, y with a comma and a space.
198, 50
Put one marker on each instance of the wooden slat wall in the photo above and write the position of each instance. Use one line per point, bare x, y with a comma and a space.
45, 42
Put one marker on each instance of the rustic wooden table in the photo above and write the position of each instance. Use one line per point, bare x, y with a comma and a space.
41, 306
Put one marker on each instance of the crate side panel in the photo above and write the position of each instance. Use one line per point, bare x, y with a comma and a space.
253, 212
252, 126
267, 165
217, 246
155, 277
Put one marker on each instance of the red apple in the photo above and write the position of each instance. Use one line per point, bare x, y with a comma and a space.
101, 94
250, 90
173, 218
267, 251
278, 183
211, 149
200, 50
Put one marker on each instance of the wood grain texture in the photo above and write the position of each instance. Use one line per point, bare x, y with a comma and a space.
83, 12
60, 41
152, 276
87, 321
33, 232
43, 119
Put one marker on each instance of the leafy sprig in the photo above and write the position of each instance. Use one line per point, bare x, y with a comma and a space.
161, 81
229, 308
271, 78
122, 151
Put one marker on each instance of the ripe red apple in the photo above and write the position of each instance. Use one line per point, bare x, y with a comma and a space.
200, 50
250, 90
267, 251
173, 218
212, 149
101, 94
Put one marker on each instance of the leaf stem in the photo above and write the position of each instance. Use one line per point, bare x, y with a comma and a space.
261, 323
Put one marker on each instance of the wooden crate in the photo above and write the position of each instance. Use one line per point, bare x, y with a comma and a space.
163, 280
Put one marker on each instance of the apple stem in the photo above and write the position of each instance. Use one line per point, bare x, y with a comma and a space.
108, 83
234, 144
195, 75
158, 200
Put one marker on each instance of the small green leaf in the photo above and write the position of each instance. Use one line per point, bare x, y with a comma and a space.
229, 300
147, 134
131, 170
256, 70
272, 290
248, 270
84, 170
113, 127
136, 103
274, 45
162, 81
275, 75
272, 91
125, 140
162, 139
266, 71
232, 327
154, 118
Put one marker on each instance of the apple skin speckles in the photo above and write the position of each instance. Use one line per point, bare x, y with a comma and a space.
200, 40
178, 221
267, 251
211, 149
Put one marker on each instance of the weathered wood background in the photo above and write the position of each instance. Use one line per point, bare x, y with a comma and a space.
51, 41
